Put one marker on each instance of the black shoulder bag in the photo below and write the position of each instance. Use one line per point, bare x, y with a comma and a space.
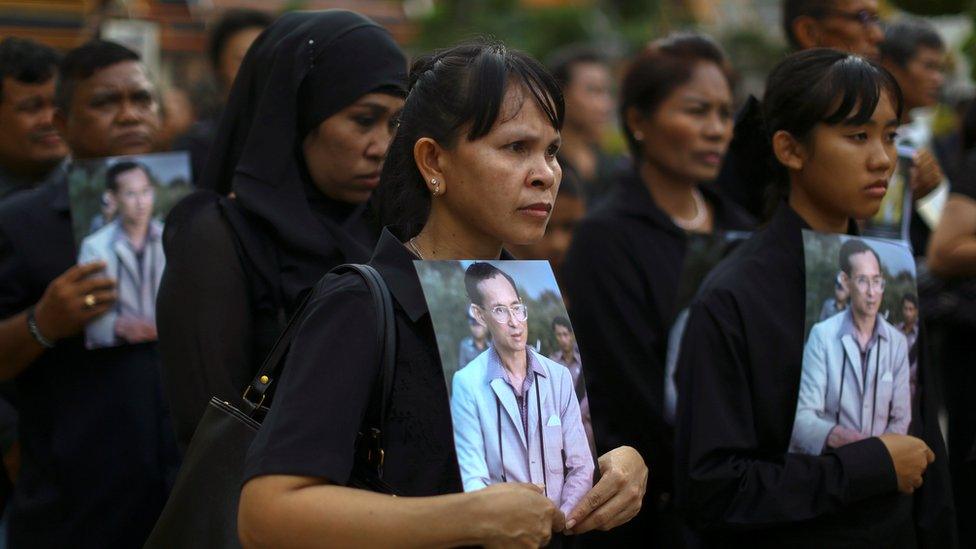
202, 508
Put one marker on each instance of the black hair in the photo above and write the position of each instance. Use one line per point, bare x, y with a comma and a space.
794, 9
561, 62
561, 321
853, 247
119, 168
904, 37
459, 90
821, 85
230, 23
666, 64
82, 62
478, 272
26, 61
911, 298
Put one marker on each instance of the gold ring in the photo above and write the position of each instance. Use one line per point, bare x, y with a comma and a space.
90, 301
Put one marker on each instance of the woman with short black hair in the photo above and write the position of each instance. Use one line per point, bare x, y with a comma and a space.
472, 166
622, 273
830, 123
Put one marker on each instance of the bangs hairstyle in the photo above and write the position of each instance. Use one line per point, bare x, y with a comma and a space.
820, 86
454, 92
828, 86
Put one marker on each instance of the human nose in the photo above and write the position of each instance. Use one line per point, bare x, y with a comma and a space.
716, 126
881, 157
128, 113
379, 143
546, 174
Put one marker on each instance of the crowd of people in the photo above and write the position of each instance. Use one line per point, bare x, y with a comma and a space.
331, 147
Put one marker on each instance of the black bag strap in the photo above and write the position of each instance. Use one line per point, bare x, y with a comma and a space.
257, 391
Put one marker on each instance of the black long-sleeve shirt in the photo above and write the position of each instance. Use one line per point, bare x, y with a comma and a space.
621, 278
738, 380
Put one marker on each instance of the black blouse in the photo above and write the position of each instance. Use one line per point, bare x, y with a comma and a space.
222, 301
621, 279
738, 379
324, 392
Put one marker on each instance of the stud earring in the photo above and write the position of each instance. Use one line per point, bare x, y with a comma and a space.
436, 185
639, 135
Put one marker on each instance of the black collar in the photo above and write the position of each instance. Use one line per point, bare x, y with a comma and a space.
395, 263
633, 198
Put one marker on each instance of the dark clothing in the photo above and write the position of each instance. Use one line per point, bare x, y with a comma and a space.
738, 380
323, 394
959, 371
197, 141
10, 183
347, 56
97, 449
621, 277
220, 305
745, 168
236, 268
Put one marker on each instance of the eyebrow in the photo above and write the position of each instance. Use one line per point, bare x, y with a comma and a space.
376, 107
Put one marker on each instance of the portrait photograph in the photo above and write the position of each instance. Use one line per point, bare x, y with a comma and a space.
859, 358
514, 375
117, 209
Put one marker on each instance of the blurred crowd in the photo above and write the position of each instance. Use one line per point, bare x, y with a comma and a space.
92, 440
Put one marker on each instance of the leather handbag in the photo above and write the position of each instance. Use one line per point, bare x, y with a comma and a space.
201, 511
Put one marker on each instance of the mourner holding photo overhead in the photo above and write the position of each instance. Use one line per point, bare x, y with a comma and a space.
472, 166
830, 121
515, 413
855, 380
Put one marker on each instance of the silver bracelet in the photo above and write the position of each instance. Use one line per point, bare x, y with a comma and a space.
35, 332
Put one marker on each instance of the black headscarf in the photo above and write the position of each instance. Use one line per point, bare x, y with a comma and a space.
301, 70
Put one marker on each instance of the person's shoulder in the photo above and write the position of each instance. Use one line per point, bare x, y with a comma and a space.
555, 369
101, 237
473, 370
896, 335
19, 207
827, 327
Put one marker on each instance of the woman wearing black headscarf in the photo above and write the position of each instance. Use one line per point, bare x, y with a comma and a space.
321, 92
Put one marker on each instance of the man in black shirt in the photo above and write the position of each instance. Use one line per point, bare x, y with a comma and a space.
98, 450
30, 147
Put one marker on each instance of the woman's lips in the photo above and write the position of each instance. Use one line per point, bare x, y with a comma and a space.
709, 158
877, 189
539, 210
371, 180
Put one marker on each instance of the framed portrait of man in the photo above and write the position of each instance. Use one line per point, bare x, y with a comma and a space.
859, 360
518, 398
117, 209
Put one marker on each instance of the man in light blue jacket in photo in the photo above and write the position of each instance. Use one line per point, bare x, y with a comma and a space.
855, 379
499, 432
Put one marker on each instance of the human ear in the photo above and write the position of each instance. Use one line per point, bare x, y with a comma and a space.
845, 281
635, 121
430, 159
789, 152
475, 312
806, 30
